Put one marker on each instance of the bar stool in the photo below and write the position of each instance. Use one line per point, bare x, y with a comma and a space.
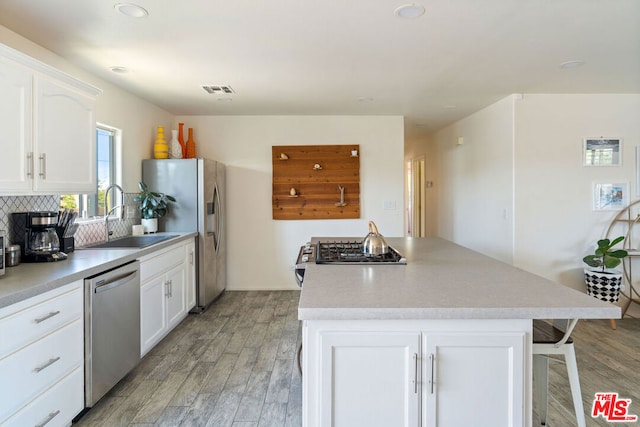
555, 339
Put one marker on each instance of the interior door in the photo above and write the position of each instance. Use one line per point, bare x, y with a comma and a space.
418, 205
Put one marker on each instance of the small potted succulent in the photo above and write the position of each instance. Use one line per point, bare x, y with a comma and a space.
602, 281
152, 206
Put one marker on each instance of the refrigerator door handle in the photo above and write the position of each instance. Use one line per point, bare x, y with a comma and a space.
217, 229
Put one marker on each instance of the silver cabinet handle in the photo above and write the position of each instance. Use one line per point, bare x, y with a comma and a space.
166, 288
415, 374
191, 258
30, 164
51, 416
46, 365
43, 165
48, 316
432, 362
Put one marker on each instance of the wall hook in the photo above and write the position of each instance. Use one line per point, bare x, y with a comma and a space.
341, 202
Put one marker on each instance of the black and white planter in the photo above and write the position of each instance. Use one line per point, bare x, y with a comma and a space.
603, 285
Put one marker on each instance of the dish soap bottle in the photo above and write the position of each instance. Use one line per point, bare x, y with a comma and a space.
191, 146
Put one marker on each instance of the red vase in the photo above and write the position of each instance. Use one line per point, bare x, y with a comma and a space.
181, 140
191, 146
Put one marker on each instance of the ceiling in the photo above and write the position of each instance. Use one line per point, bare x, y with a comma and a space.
356, 57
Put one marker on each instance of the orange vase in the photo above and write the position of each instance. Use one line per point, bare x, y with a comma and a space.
160, 148
191, 146
181, 140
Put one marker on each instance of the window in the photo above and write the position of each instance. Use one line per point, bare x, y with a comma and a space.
90, 205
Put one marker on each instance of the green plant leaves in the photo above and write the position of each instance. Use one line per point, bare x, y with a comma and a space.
604, 257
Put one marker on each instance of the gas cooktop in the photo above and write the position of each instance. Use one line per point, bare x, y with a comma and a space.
350, 252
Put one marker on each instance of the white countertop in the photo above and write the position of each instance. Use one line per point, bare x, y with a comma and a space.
30, 279
440, 281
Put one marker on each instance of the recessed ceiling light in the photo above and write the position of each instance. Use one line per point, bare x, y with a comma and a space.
365, 99
572, 64
119, 70
410, 11
131, 10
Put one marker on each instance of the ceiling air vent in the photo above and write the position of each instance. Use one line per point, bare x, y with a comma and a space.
218, 89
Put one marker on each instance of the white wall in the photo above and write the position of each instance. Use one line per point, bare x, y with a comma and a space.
115, 107
474, 185
555, 224
526, 152
261, 251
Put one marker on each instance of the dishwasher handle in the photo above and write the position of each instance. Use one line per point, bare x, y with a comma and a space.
105, 285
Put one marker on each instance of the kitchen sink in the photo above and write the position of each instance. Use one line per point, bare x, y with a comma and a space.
132, 242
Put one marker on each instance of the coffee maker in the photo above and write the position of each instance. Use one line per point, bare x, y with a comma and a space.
35, 232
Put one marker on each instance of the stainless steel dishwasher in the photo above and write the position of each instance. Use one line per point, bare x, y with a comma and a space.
112, 328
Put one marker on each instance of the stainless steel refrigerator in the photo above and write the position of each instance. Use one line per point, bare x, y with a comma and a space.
198, 186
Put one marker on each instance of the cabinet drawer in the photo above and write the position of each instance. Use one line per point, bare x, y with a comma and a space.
26, 326
27, 373
56, 407
162, 262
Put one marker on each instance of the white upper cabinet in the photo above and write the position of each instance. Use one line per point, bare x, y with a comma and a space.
64, 138
47, 122
16, 82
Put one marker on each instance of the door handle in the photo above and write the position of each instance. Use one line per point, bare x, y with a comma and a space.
103, 286
51, 416
43, 165
30, 164
432, 362
46, 365
217, 207
48, 316
415, 373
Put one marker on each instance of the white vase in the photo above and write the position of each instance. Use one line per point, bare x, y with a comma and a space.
150, 225
174, 146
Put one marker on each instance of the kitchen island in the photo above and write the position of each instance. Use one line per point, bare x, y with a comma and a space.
444, 340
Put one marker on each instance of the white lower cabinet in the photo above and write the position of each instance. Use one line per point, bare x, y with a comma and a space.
42, 358
165, 287
415, 373
473, 379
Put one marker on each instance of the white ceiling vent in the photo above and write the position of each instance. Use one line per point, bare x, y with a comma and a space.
218, 89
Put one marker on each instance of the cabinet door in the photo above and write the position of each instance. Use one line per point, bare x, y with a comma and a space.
15, 127
191, 275
176, 301
369, 379
64, 138
153, 319
473, 379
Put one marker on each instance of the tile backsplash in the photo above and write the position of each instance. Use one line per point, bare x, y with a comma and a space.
89, 231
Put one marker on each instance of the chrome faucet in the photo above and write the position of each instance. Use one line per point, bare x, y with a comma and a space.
108, 211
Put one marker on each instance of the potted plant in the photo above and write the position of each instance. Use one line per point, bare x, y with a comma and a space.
602, 281
152, 206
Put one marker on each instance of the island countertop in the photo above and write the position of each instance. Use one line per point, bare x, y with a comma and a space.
441, 280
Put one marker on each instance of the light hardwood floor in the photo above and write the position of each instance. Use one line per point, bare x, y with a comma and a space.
235, 366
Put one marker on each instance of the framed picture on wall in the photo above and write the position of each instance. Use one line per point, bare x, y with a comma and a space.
602, 151
610, 196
